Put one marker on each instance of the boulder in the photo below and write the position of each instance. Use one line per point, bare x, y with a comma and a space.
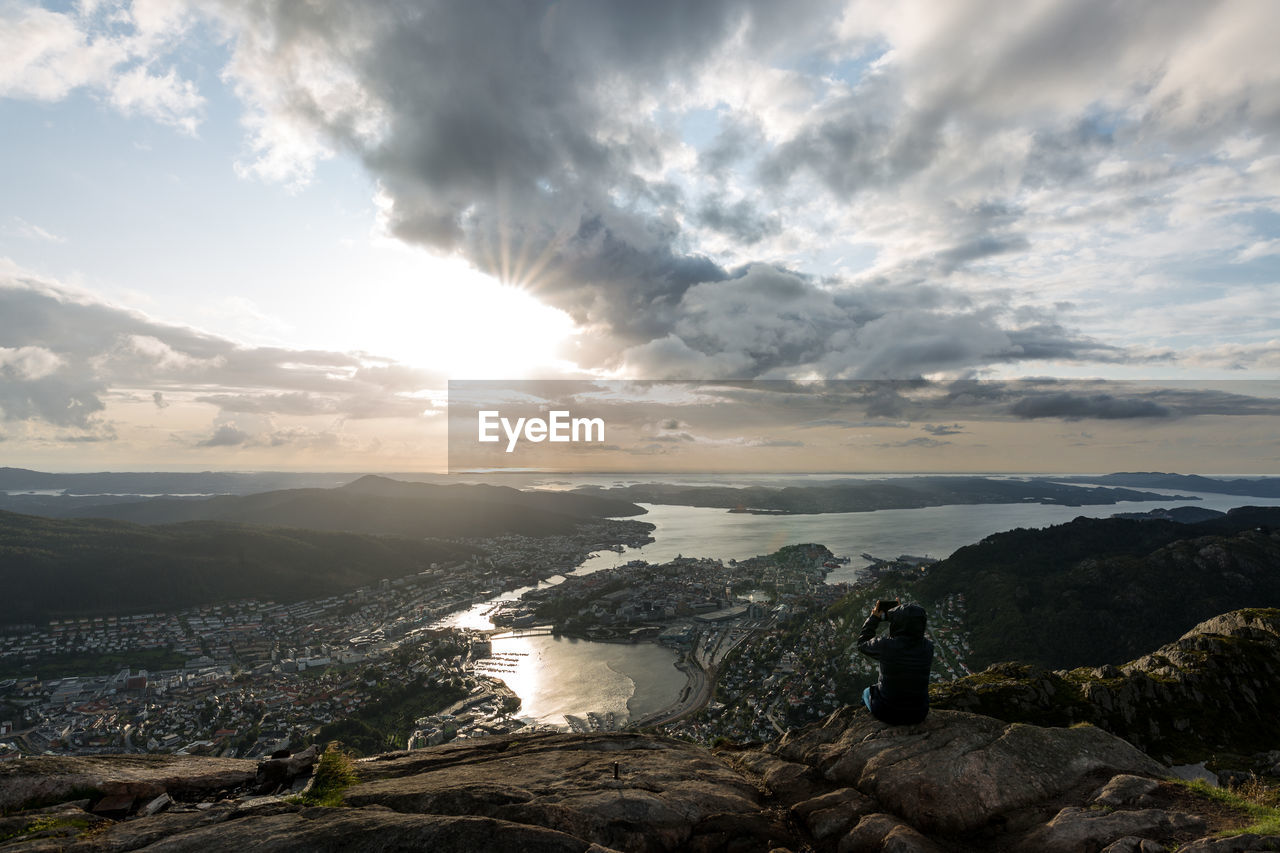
157, 805
787, 781
955, 771
1125, 790
280, 771
870, 833
832, 813
1077, 830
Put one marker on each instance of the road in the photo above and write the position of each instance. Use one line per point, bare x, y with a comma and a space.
702, 678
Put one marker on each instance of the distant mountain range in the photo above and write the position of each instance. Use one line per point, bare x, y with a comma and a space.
867, 495
381, 506
166, 482
1259, 487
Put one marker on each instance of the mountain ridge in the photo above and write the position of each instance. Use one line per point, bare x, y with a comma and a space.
117, 567
1096, 590
382, 506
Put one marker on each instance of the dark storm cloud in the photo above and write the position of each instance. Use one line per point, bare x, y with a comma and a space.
1078, 406
858, 142
739, 220
1253, 398
64, 354
1053, 342
949, 260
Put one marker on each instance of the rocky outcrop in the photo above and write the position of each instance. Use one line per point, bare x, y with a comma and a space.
956, 782
50, 778
1213, 690
955, 772
664, 792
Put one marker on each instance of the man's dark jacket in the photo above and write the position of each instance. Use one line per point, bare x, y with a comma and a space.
901, 696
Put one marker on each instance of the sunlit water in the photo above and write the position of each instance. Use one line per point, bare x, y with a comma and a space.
558, 676
554, 676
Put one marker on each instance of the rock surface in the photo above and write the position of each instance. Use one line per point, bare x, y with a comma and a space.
956, 782
1075, 829
954, 772
664, 790
48, 778
1160, 702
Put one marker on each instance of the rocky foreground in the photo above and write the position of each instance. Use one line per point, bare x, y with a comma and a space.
1215, 690
960, 781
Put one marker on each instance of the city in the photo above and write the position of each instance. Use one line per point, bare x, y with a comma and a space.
376, 670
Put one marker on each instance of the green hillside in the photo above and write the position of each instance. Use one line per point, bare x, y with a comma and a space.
51, 568
1094, 591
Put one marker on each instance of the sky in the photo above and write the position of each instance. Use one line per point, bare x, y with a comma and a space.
776, 426
266, 235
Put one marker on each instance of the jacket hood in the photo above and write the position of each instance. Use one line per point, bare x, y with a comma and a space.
907, 620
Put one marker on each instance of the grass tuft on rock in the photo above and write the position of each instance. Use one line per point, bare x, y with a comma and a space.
334, 774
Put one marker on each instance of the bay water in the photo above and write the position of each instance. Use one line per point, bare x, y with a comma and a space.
555, 676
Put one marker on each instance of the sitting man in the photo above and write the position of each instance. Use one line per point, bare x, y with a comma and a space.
901, 696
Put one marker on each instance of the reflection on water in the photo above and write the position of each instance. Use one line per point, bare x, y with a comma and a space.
554, 676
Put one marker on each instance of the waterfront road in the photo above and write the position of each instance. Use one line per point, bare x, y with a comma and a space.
702, 678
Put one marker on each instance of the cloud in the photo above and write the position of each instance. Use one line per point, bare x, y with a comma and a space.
542, 143
775, 442
166, 99
1077, 406
944, 429
30, 231
740, 190
740, 220
920, 441
226, 435
106, 49
71, 350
